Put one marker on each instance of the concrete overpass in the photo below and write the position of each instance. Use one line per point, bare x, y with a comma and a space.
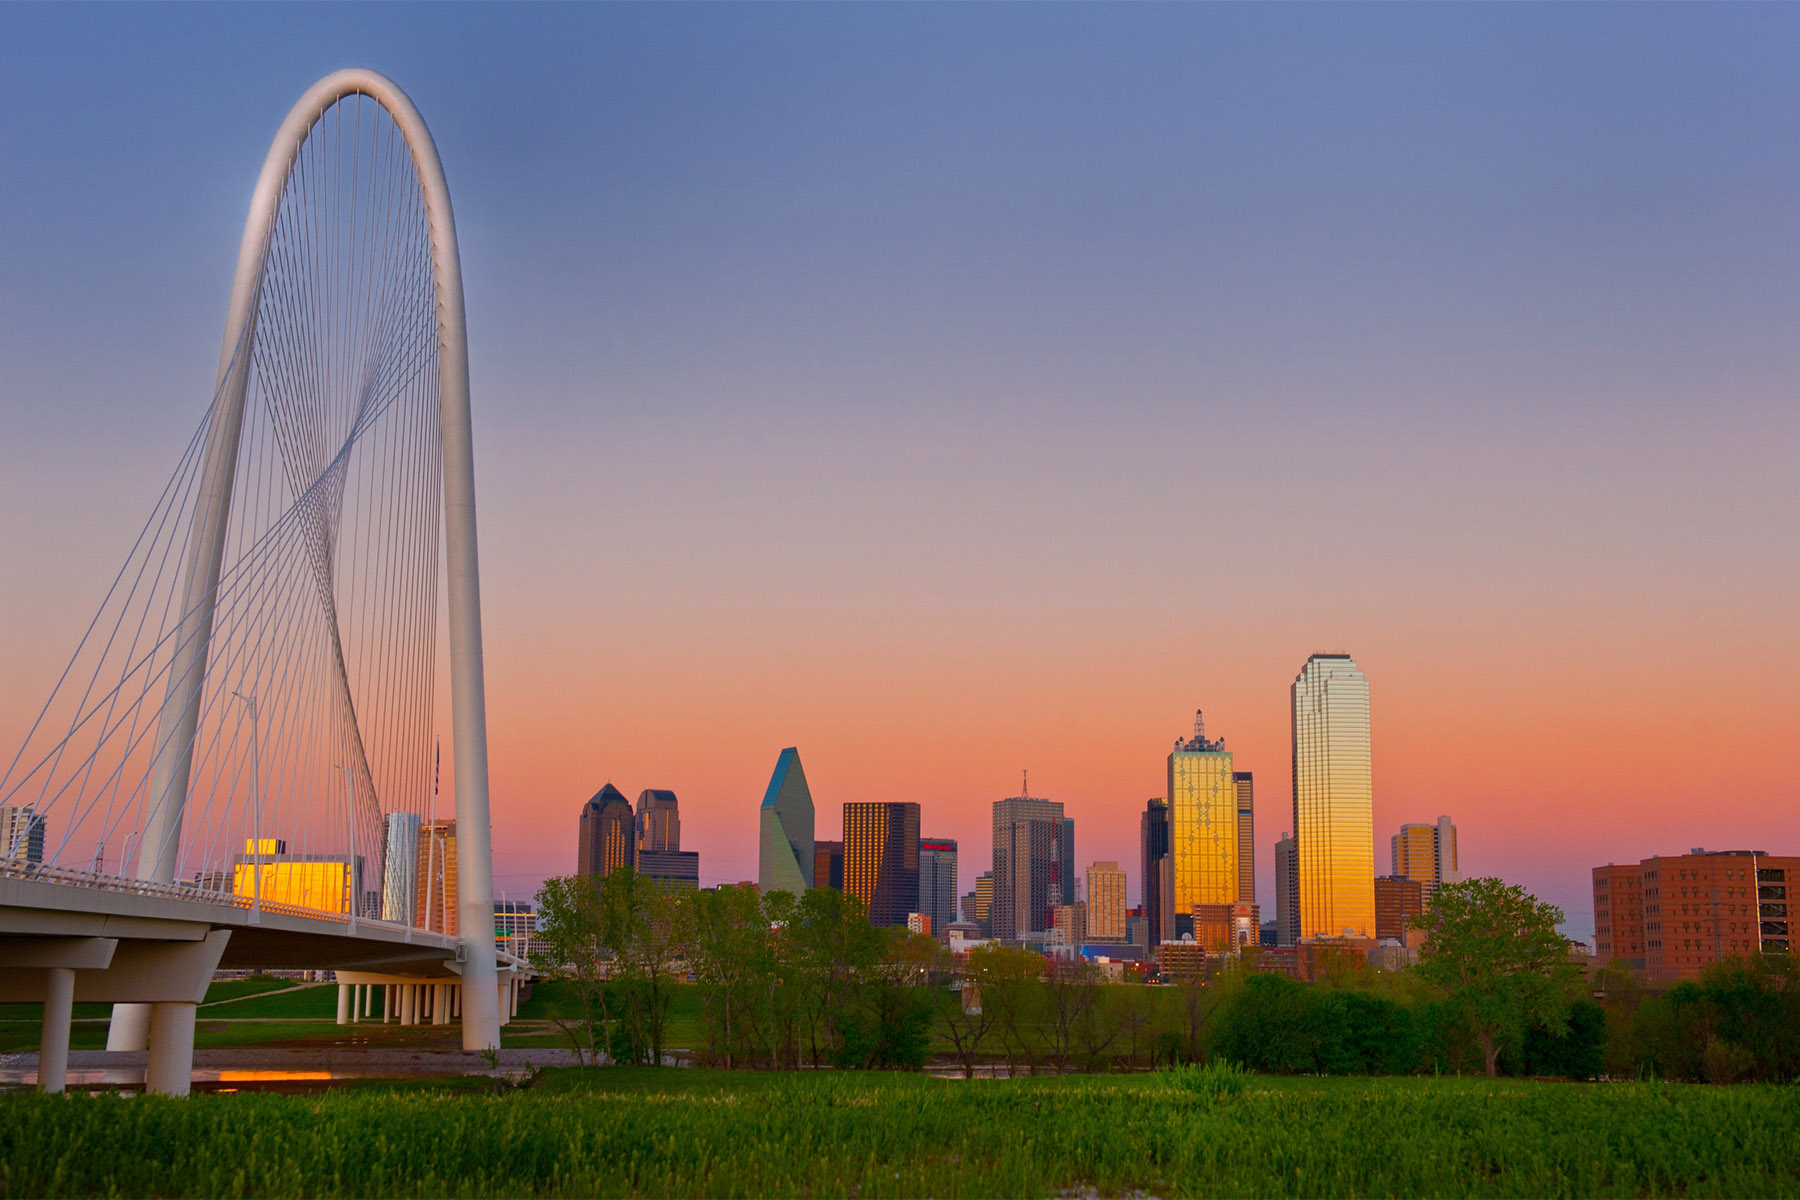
69, 936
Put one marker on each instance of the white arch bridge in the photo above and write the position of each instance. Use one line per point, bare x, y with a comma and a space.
239, 767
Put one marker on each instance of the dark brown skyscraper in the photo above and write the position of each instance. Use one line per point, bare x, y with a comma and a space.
608, 834
1397, 901
881, 859
828, 865
1028, 842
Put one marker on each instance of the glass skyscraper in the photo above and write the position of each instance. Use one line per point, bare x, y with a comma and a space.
1153, 829
1334, 827
881, 858
785, 851
1203, 834
937, 884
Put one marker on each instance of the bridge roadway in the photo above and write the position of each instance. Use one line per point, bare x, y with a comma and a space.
73, 936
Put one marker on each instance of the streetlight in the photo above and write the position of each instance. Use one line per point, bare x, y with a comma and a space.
350, 828
256, 816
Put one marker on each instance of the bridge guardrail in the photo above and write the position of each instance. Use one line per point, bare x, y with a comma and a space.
71, 877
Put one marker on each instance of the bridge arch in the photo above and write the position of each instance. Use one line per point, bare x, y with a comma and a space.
180, 712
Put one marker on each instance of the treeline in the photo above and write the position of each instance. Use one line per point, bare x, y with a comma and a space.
786, 982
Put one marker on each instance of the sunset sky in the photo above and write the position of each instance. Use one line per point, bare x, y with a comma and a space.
955, 391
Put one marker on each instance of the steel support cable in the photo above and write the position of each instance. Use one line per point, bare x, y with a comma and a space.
171, 489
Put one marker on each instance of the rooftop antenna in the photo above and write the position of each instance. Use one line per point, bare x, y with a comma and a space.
1025, 783
1199, 725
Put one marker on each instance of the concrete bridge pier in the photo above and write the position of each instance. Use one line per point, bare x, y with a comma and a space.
167, 978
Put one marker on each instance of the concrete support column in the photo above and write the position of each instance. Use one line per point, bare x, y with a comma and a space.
130, 1027
409, 1004
516, 989
387, 1003
440, 1004
171, 1067
356, 1002
456, 1000
53, 1049
343, 1013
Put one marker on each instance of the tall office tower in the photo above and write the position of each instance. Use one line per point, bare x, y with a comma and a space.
1287, 891
21, 833
1689, 911
608, 834
1028, 839
1397, 901
1246, 831
937, 884
984, 903
967, 910
658, 821
828, 865
784, 861
1203, 835
1106, 903
881, 858
400, 868
1333, 798
436, 886
1066, 885
1426, 853
1153, 837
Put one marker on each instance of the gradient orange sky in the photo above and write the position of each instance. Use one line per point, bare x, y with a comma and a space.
955, 391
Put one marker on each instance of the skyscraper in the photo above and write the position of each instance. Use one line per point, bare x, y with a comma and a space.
1203, 835
1246, 835
400, 867
1105, 903
1426, 853
658, 821
1333, 798
984, 903
785, 849
881, 858
1287, 891
1153, 836
435, 892
937, 884
608, 834
21, 833
828, 865
1068, 860
1028, 840
1397, 901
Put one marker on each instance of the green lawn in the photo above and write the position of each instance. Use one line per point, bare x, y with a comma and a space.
639, 1131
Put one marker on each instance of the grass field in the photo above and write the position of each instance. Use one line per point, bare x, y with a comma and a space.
704, 1133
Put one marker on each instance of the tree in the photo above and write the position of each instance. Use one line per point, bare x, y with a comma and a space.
1133, 1009
731, 962
1008, 980
646, 925
967, 1020
1495, 950
571, 927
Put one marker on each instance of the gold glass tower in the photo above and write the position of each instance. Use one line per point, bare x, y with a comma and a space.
1203, 835
1333, 798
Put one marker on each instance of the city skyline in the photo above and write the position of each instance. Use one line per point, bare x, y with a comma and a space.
1543, 408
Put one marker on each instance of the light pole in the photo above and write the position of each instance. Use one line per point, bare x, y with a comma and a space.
255, 817
350, 830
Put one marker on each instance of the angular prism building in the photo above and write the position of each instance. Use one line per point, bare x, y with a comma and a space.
785, 851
